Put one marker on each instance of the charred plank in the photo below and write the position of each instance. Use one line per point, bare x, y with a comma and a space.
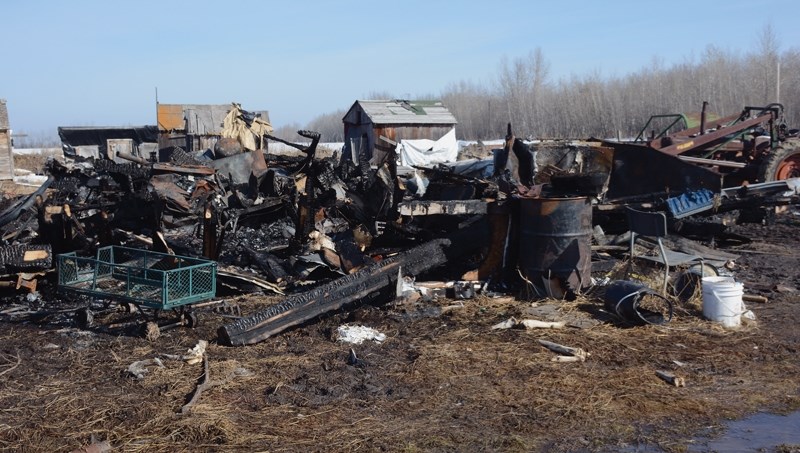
350, 288
26, 257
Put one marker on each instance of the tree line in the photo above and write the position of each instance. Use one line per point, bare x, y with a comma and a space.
524, 92
592, 105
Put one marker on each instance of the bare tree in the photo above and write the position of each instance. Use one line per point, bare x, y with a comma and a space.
329, 125
580, 106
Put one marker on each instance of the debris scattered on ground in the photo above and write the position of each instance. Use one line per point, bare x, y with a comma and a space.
139, 368
302, 243
511, 323
358, 334
568, 354
671, 379
195, 355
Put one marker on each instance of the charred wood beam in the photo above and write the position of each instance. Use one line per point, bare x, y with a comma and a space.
12, 213
268, 211
132, 158
131, 170
209, 232
287, 142
268, 264
26, 257
302, 307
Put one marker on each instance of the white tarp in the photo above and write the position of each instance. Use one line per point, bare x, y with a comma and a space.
426, 152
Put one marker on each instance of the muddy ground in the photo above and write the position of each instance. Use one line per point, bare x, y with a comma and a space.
443, 380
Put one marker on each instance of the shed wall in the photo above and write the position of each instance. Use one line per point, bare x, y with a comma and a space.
353, 134
6, 159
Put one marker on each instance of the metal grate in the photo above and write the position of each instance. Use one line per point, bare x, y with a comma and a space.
156, 280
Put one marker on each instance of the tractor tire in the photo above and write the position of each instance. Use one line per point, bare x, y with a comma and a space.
783, 163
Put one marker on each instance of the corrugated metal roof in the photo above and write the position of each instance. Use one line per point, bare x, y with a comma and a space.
3, 115
196, 119
400, 111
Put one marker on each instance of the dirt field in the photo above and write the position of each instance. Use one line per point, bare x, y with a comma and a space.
443, 380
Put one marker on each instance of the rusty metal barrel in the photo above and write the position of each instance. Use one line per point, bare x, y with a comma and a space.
555, 246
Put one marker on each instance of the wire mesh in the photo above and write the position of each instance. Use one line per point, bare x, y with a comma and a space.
157, 280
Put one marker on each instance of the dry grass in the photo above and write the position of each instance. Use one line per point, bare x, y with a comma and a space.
445, 382
34, 163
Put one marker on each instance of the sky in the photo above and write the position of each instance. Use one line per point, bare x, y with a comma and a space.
101, 62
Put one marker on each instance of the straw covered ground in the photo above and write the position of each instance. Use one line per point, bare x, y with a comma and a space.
443, 380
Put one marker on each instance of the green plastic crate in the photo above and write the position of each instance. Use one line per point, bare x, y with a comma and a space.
153, 279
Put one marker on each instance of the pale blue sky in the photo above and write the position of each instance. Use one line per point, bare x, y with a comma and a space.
98, 62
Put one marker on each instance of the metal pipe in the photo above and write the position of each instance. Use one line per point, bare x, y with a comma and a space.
703, 118
132, 158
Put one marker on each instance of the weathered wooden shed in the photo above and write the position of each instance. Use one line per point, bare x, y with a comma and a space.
193, 126
368, 120
6, 158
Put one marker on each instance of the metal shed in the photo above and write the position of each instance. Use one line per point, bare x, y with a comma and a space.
398, 119
6, 158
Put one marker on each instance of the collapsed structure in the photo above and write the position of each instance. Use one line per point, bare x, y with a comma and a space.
351, 225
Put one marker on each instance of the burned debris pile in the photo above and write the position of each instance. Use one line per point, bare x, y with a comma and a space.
327, 232
269, 222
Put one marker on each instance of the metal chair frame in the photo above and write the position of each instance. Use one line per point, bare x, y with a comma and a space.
654, 225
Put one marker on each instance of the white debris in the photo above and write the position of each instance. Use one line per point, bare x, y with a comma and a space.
195, 355
512, 322
139, 368
243, 372
507, 324
358, 334
536, 324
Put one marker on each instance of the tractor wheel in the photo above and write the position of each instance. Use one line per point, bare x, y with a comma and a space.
783, 163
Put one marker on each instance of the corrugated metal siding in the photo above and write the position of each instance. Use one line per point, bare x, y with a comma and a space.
170, 117
205, 119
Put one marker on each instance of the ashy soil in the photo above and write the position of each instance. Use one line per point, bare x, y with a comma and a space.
443, 380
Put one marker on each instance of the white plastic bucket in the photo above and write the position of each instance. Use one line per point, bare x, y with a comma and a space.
722, 300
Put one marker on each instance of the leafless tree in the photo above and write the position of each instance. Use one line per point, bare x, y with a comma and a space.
329, 125
580, 106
